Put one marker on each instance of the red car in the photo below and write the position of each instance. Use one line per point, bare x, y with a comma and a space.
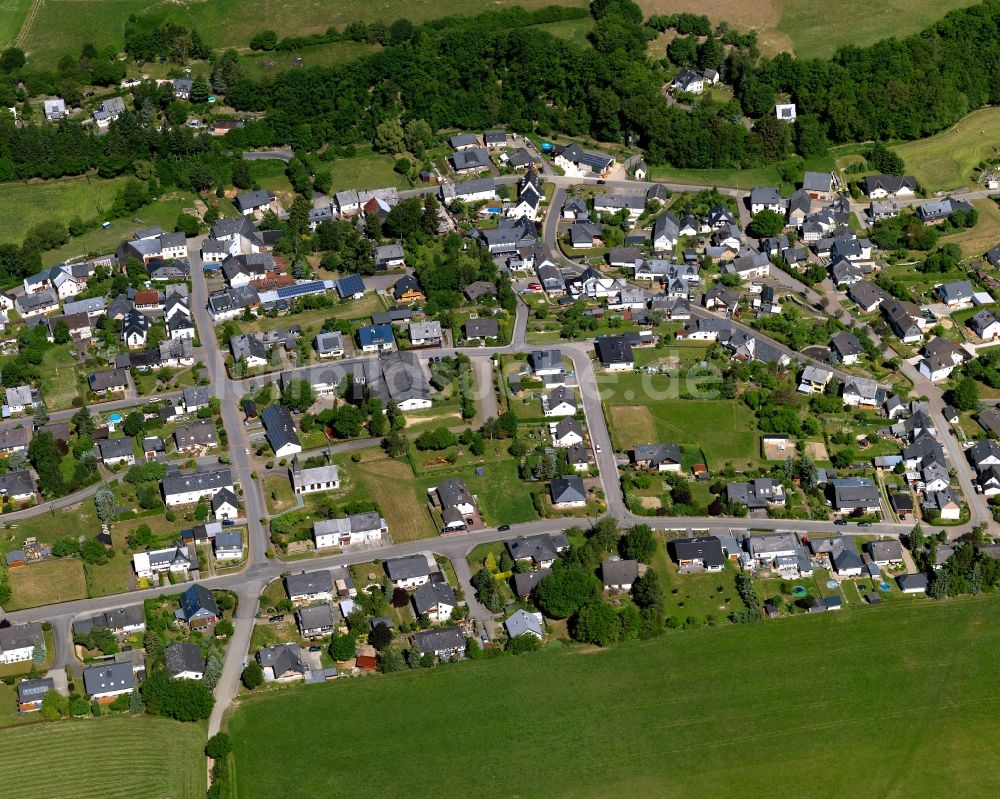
535, 286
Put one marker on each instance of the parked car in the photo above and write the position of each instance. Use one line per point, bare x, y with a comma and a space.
503, 528
840, 521
864, 524
228, 523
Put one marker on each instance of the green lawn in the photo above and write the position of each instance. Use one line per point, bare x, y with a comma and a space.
60, 385
367, 170
323, 55
724, 429
735, 178
60, 28
12, 16
851, 685
502, 497
27, 204
154, 757
946, 161
816, 33
270, 175
163, 212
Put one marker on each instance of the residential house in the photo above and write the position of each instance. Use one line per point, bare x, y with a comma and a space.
13, 439
389, 256
878, 186
702, 553
315, 621
666, 231
469, 191
457, 503
470, 160
102, 383
152, 244
407, 289
934, 211
425, 334
521, 622
785, 112
566, 433
17, 486
814, 379
108, 111
329, 345
818, 185
281, 663
308, 587
568, 492
54, 109
436, 600
985, 324
117, 450
186, 489
578, 163
866, 294
351, 287
228, 545
198, 608
944, 504
17, 642
619, 574
885, 553
377, 338
253, 202
846, 347
106, 682
480, 329
463, 141
561, 401
358, 529
955, 294
863, 392
30, 693
195, 436
541, 549
445, 643
184, 661
410, 571
38, 304
767, 199
913, 583
661, 457
940, 359
224, 504
855, 495
842, 552
280, 431
615, 353
758, 494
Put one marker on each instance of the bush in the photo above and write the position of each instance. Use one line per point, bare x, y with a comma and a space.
218, 746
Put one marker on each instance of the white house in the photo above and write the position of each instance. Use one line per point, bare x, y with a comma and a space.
186, 489
359, 529
17, 642
175, 559
436, 600
560, 402
106, 682
410, 571
566, 433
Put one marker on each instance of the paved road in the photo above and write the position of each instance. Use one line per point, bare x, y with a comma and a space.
269, 155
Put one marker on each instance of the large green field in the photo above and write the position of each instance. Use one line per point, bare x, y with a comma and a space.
815, 32
63, 26
12, 16
946, 161
130, 758
724, 429
895, 701
27, 204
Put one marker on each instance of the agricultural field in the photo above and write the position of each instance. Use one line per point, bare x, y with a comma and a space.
736, 178
63, 27
13, 13
53, 580
946, 160
162, 212
153, 757
403, 505
977, 240
28, 204
813, 32
890, 732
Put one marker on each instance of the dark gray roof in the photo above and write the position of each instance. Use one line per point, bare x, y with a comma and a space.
407, 567
34, 690
568, 489
179, 658
431, 594
117, 447
130, 616
315, 617
282, 659
439, 639
309, 583
280, 427
708, 549
525, 582
19, 636
614, 349
181, 483
618, 571
199, 433
16, 483
482, 328
198, 601
252, 199
539, 547
108, 678
452, 491
111, 378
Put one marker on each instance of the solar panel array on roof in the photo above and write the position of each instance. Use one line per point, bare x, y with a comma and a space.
299, 289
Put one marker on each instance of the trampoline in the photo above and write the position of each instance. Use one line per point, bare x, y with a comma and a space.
884, 587
831, 583
799, 590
